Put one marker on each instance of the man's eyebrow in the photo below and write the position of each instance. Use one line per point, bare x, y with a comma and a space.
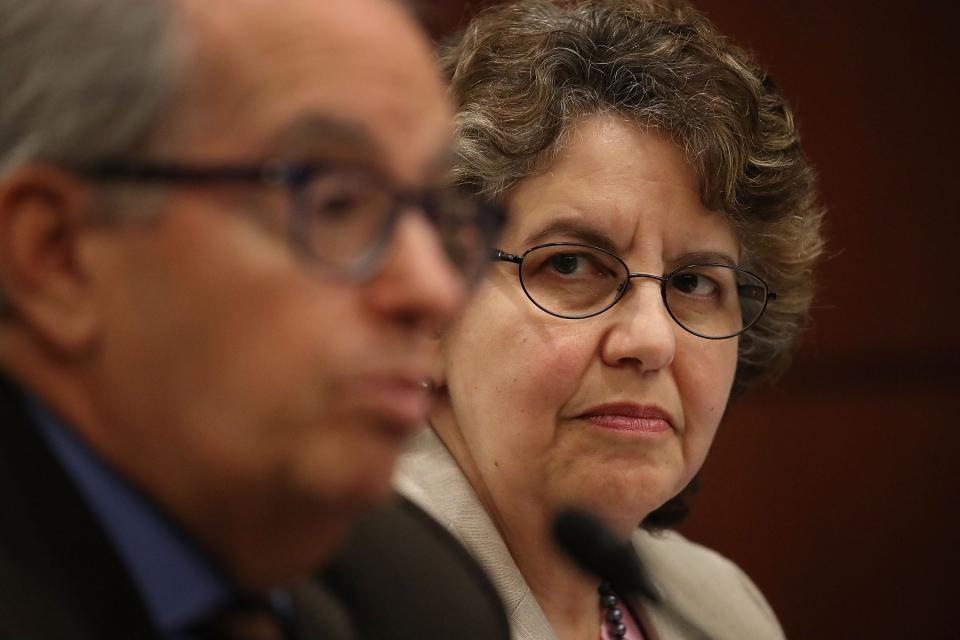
308, 136
305, 134
577, 230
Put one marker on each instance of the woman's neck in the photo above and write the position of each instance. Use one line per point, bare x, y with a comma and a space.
567, 596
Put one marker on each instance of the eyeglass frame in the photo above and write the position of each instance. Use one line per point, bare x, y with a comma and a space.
623, 287
295, 177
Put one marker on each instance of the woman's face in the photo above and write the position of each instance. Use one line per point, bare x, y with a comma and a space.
616, 412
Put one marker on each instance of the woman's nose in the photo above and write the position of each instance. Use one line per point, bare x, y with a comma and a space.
643, 333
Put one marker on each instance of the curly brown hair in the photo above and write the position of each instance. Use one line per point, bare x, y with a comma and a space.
522, 73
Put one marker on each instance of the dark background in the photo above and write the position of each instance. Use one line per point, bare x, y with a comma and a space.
838, 489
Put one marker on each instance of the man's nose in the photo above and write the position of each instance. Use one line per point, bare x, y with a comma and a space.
418, 283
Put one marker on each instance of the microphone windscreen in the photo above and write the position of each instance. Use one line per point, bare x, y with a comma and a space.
591, 545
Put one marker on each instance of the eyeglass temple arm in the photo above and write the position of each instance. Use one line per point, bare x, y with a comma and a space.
496, 255
273, 172
755, 292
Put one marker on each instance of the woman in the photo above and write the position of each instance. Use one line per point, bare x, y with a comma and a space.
658, 259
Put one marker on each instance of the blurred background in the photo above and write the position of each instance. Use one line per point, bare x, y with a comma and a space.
838, 489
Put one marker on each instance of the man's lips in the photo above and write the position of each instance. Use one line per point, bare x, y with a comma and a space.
400, 400
630, 418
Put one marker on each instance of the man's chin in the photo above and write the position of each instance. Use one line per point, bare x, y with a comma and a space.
352, 493
291, 556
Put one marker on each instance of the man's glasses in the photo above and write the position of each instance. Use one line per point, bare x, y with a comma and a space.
570, 280
343, 217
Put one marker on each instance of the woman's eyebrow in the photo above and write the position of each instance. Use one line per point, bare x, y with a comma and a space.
575, 229
703, 257
579, 231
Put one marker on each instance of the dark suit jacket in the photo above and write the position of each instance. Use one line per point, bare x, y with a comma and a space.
402, 576
60, 578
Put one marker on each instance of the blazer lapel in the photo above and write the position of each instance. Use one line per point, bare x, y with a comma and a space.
59, 576
404, 577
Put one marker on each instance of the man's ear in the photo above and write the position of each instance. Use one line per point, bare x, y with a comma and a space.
42, 212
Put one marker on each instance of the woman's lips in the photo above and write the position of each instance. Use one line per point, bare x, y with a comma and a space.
630, 418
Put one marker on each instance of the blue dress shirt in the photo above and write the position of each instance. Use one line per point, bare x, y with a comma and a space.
177, 582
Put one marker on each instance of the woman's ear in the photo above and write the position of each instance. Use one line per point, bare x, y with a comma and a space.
45, 289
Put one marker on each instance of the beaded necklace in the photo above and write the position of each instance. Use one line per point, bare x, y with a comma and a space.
612, 613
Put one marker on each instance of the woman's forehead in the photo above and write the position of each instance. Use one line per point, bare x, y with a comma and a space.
617, 185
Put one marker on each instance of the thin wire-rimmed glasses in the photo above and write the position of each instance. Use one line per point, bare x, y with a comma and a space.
572, 280
342, 216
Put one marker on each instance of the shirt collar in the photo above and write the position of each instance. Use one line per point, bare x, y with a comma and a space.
177, 582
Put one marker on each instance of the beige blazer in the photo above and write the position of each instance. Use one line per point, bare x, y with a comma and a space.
705, 595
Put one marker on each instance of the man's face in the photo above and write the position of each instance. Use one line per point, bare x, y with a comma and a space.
245, 388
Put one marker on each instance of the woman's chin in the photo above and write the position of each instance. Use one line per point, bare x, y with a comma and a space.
621, 505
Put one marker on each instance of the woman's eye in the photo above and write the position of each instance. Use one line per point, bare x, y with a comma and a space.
565, 263
695, 284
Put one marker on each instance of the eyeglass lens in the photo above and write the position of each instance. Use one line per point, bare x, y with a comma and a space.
574, 281
341, 215
465, 228
345, 218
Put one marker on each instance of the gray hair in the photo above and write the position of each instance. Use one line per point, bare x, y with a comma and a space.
83, 80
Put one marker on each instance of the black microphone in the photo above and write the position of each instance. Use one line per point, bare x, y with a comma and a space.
598, 552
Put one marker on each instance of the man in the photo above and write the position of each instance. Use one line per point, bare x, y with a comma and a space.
219, 270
